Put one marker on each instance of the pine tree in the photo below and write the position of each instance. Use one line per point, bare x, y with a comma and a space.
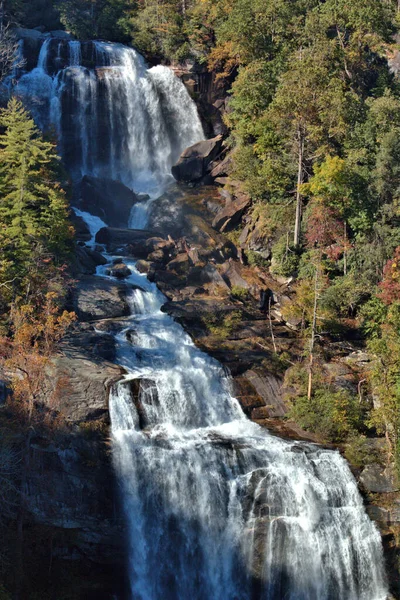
33, 207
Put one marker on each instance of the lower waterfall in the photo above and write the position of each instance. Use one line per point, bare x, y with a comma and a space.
217, 508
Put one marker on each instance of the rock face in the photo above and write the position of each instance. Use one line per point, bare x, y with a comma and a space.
96, 298
110, 200
195, 161
230, 216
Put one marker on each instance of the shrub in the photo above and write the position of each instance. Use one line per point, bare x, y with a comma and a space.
239, 293
331, 414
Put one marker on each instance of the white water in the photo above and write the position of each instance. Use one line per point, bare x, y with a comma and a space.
117, 119
216, 507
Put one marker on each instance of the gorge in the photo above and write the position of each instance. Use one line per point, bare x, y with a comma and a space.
214, 505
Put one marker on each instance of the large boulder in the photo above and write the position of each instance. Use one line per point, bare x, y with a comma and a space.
86, 261
194, 162
230, 215
110, 200
95, 298
139, 242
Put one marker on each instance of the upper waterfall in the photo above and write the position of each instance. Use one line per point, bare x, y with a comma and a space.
113, 116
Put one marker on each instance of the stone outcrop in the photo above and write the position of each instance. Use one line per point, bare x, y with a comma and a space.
97, 298
194, 162
110, 200
230, 215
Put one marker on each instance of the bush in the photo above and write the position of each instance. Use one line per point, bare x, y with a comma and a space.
239, 293
331, 414
358, 451
286, 259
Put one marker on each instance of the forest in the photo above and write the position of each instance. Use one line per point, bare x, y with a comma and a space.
313, 132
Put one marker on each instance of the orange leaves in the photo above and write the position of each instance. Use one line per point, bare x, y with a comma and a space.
390, 284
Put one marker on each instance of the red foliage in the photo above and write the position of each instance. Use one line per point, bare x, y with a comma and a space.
390, 284
325, 230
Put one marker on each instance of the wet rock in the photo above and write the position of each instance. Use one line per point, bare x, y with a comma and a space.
23, 34
87, 260
82, 232
143, 266
266, 389
194, 161
145, 398
230, 216
120, 271
110, 200
97, 298
113, 326
117, 238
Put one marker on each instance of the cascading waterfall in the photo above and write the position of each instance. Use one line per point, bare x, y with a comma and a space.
114, 117
216, 507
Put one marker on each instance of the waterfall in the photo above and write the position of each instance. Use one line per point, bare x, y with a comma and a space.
216, 507
114, 117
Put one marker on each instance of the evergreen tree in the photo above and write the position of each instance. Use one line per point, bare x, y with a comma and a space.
34, 222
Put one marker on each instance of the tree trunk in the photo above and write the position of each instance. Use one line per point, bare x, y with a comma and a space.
313, 331
300, 174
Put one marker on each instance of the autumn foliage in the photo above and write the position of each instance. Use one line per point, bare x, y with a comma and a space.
390, 284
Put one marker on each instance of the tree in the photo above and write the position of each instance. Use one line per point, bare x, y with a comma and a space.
34, 226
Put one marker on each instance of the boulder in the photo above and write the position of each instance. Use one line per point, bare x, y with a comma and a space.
97, 298
260, 394
120, 271
230, 215
207, 275
222, 168
110, 200
194, 162
91, 342
115, 238
180, 264
59, 34
82, 231
33, 34
84, 384
231, 275
87, 260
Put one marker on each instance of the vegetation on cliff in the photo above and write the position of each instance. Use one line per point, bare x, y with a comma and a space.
314, 123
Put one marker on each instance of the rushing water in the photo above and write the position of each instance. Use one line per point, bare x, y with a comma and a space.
216, 507
114, 117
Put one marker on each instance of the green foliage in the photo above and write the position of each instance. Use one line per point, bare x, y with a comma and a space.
222, 324
286, 258
35, 234
333, 415
255, 259
106, 19
358, 451
239, 293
